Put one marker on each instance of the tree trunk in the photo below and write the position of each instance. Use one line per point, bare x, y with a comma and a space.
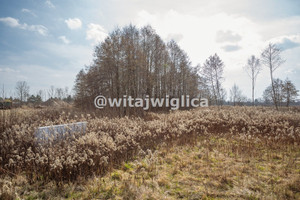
253, 88
273, 89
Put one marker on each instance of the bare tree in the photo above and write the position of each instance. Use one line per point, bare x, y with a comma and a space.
290, 92
45, 94
59, 93
66, 92
51, 92
3, 92
212, 71
80, 89
271, 58
40, 93
253, 68
236, 95
204, 89
136, 62
278, 88
22, 90
223, 96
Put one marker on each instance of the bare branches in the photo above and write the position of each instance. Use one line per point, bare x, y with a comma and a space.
136, 62
271, 58
236, 95
212, 71
22, 90
253, 68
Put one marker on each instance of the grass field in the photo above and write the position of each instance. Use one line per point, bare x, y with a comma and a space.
211, 153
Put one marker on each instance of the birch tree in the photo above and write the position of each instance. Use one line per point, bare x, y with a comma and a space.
253, 68
271, 58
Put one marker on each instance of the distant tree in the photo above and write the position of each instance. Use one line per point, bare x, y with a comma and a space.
80, 89
69, 99
253, 68
51, 92
285, 92
138, 63
31, 99
289, 91
59, 93
236, 96
38, 99
41, 94
212, 71
34, 99
22, 90
3, 95
66, 92
223, 96
267, 95
278, 96
204, 89
259, 101
271, 58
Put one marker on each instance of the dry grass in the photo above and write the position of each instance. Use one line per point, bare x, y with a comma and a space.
214, 168
226, 153
185, 172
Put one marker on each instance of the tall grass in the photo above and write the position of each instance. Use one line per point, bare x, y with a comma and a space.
108, 142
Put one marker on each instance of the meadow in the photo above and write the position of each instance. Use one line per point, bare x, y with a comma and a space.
205, 153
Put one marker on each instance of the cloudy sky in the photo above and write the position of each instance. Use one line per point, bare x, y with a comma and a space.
46, 42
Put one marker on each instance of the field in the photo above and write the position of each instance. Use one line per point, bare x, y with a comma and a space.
205, 153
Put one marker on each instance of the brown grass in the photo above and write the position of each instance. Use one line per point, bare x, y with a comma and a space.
231, 153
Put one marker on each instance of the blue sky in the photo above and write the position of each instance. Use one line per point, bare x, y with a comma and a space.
46, 42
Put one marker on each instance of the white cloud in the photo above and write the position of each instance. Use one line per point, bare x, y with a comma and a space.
231, 47
49, 4
227, 36
287, 41
8, 70
38, 28
9, 21
14, 23
198, 34
176, 37
96, 33
280, 27
25, 10
74, 23
64, 39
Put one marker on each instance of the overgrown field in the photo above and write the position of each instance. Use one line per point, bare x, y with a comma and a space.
228, 152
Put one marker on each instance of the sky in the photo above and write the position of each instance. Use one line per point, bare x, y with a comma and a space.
47, 42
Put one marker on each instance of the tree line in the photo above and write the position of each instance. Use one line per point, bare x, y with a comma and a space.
136, 62
285, 92
22, 94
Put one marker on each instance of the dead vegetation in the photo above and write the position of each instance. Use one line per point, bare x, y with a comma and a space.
211, 153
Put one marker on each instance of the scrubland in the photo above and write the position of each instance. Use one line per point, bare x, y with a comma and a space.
205, 153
